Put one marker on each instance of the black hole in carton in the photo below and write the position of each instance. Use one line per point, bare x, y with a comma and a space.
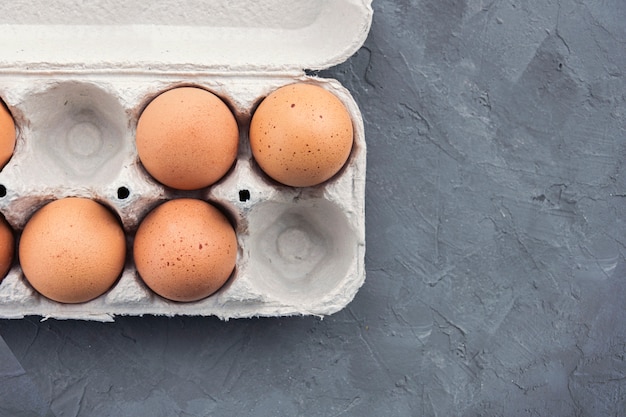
244, 195
123, 193
3, 191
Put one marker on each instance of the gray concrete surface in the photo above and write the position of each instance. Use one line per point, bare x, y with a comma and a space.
496, 233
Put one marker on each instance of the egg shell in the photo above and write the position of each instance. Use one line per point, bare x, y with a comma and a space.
301, 135
185, 249
72, 250
187, 138
7, 135
7, 247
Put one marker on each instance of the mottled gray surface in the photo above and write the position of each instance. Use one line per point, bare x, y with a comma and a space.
496, 243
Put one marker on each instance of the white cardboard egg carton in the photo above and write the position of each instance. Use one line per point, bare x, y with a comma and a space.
76, 78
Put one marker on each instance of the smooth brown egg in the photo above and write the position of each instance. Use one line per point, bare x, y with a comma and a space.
301, 135
72, 250
187, 138
7, 135
7, 247
185, 249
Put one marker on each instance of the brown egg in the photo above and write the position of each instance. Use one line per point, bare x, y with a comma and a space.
72, 250
185, 249
7, 135
187, 138
7, 247
301, 135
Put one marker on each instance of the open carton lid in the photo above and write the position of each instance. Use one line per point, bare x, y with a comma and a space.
284, 36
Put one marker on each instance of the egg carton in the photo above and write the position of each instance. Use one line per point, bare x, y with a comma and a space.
76, 83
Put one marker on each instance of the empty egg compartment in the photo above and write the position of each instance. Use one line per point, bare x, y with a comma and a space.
74, 139
301, 250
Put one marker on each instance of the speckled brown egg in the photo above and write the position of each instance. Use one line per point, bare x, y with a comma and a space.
187, 138
7, 135
7, 247
185, 249
301, 135
72, 250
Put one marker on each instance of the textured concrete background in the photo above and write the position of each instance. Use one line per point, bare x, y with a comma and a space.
496, 243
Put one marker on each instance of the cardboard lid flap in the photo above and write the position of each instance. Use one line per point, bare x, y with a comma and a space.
170, 35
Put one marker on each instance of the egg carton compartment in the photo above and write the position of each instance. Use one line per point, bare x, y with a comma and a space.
300, 250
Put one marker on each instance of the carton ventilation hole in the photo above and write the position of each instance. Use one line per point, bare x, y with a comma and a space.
123, 193
244, 195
